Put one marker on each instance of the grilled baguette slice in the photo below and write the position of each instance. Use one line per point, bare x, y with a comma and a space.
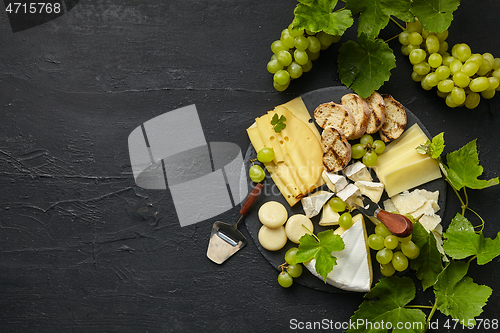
395, 119
336, 149
335, 115
360, 111
377, 112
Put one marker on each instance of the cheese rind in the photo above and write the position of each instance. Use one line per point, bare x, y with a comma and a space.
358, 171
372, 190
335, 182
313, 203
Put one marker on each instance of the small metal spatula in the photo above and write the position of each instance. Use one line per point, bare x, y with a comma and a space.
226, 239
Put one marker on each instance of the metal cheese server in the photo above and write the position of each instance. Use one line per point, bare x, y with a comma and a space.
226, 239
398, 224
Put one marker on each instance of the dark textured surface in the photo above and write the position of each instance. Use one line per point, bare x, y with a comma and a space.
83, 249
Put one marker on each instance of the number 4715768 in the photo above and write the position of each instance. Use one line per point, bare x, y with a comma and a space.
480, 323
33, 8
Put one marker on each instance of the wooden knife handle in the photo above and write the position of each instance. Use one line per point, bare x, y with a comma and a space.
252, 197
398, 224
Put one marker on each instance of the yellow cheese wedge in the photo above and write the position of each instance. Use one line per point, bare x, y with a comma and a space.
268, 136
411, 175
298, 108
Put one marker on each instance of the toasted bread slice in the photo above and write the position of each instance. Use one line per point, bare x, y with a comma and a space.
336, 149
359, 110
335, 115
377, 112
395, 119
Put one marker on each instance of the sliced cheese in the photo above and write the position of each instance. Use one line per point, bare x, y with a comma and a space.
335, 182
313, 203
285, 185
412, 175
410, 139
410, 157
430, 222
268, 136
353, 271
372, 190
358, 171
408, 202
389, 206
298, 108
329, 216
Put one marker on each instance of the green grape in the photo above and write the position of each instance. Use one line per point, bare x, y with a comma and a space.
410, 250
442, 35
337, 204
414, 26
378, 146
366, 139
411, 47
441, 94
256, 173
496, 73
308, 66
403, 38
281, 77
358, 151
312, 56
284, 57
431, 79
494, 83
295, 270
496, 63
291, 255
424, 85
295, 70
479, 84
314, 44
469, 68
345, 220
463, 52
381, 229
488, 94
416, 56
455, 66
432, 44
435, 60
426, 33
325, 39
370, 159
443, 72
287, 39
415, 38
443, 48
273, 66
301, 43
285, 280
417, 77
458, 95
387, 269
472, 100
391, 242
384, 256
461, 79
487, 65
280, 87
277, 46
300, 57
476, 57
422, 68
399, 261
449, 102
375, 242
404, 50
265, 155
405, 239
295, 32
447, 60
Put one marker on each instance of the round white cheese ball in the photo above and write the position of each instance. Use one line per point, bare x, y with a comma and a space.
272, 239
295, 227
273, 214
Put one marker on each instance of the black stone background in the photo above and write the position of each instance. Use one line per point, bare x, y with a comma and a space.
83, 249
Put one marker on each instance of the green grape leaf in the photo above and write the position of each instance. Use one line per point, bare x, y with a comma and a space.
461, 241
320, 248
318, 15
463, 168
385, 303
366, 65
278, 123
434, 15
437, 145
458, 296
375, 14
429, 262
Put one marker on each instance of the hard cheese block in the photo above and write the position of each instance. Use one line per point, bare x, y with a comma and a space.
353, 271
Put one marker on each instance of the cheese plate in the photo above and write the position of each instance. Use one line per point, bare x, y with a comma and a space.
271, 193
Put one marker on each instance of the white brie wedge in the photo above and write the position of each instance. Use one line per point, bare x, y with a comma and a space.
313, 203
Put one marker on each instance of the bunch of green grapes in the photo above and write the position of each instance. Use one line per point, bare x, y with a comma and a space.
256, 173
368, 150
461, 78
294, 52
393, 253
290, 271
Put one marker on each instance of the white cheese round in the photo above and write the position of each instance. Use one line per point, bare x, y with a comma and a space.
295, 227
273, 214
272, 239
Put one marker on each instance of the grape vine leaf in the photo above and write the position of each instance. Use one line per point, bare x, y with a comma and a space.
434, 15
366, 65
318, 15
376, 14
461, 241
458, 296
437, 145
385, 303
429, 262
321, 249
463, 168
